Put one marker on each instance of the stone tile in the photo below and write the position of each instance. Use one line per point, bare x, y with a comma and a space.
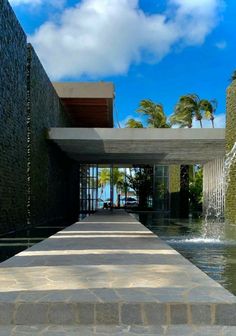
180, 330
6, 313
178, 314
21, 330
8, 296
6, 330
131, 314
146, 330
133, 295
107, 313
85, 313
229, 331
154, 313
201, 314
105, 294
62, 313
209, 331
30, 313
112, 329
225, 314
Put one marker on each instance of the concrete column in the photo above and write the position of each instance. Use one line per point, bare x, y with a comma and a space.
230, 136
184, 191
174, 190
213, 188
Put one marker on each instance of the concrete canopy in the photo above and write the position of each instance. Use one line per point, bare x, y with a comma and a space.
140, 146
88, 104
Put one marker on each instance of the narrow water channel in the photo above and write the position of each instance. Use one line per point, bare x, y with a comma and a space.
16, 242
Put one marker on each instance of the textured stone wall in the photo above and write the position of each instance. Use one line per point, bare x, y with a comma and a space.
174, 189
13, 129
53, 176
230, 197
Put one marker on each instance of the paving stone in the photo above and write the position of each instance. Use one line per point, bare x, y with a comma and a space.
105, 294
154, 313
6, 313
226, 314
31, 313
178, 314
112, 330
107, 313
131, 314
229, 331
201, 314
209, 331
62, 313
85, 313
180, 330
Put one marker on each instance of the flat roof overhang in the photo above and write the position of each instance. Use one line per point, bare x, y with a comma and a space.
88, 104
140, 146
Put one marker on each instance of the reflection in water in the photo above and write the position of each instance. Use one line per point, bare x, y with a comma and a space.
214, 256
16, 242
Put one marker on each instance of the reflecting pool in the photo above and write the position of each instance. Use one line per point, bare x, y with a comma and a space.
214, 255
16, 242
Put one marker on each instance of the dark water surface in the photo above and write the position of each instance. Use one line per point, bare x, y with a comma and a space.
214, 255
16, 242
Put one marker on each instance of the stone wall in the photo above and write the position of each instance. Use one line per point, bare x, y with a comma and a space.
38, 183
13, 130
51, 172
174, 190
230, 197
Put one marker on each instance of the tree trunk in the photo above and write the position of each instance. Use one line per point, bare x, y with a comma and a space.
212, 122
200, 123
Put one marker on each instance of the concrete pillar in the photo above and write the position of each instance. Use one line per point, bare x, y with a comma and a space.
174, 190
230, 194
184, 191
213, 188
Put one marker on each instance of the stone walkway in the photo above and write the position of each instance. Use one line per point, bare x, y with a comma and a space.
109, 270
55, 330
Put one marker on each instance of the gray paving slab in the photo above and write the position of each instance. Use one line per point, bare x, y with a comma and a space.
109, 269
114, 330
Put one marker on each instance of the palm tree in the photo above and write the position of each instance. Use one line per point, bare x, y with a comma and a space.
154, 112
233, 77
190, 106
103, 179
209, 107
132, 123
118, 178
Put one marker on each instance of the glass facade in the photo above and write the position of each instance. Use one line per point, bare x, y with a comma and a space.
158, 199
161, 199
88, 188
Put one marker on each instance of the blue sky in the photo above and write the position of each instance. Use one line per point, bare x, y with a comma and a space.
155, 49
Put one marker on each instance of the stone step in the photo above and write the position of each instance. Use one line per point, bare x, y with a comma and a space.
113, 330
118, 313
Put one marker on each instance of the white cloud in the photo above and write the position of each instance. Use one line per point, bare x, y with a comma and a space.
219, 122
104, 37
33, 3
123, 122
221, 45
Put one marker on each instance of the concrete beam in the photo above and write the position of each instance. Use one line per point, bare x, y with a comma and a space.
84, 90
140, 146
